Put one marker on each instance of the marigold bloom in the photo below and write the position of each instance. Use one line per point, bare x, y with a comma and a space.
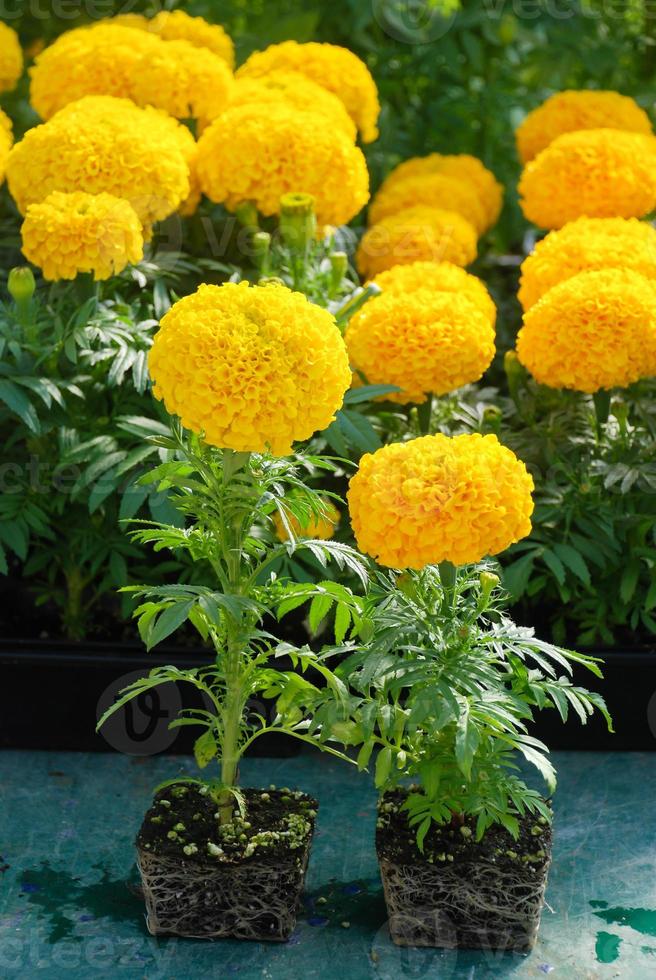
98, 60
251, 367
281, 150
440, 498
321, 527
424, 342
584, 244
6, 142
294, 89
185, 81
599, 173
439, 277
177, 25
572, 110
416, 234
70, 233
336, 69
11, 58
432, 190
595, 330
103, 144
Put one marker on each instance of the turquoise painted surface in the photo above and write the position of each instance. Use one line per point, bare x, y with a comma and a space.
67, 822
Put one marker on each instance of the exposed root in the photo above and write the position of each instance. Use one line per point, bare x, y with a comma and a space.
255, 900
476, 905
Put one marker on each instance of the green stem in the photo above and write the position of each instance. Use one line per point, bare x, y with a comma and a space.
601, 401
448, 575
424, 415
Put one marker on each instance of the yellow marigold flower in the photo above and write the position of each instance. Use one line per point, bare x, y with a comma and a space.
6, 142
424, 342
336, 69
98, 60
103, 144
281, 150
322, 527
137, 22
432, 190
70, 233
416, 234
250, 366
177, 25
185, 81
439, 277
595, 330
440, 498
11, 58
570, 111
584, 244
294, 89
600, 173
458, 165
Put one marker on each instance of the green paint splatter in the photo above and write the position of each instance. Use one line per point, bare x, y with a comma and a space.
607, 947
52, 891
597, 903
642, 920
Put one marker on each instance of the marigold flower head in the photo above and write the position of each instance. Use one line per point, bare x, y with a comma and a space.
185, 81
440, 498
584, 244
432, 190
11, 58
321, 527
6, 142
336, 69
103, 144
417, 234
177, 25
462, 166
572, 110
97, 60
424, 342
70, 233
595, 330
281, 150
294, 89
599, 173
439, 277
251, 367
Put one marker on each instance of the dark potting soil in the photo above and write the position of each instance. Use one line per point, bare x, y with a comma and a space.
456, 843
183, 823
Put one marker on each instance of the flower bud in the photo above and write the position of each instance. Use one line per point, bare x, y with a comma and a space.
21, 284
338, 267
488, 582
298, 223
261, 244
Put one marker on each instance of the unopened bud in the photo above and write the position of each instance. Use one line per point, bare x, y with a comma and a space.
338, 267
261, 243
488, 582
21, 284
298, 223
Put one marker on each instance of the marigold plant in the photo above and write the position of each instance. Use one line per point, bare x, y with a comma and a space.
70, 233
432, 190
11, 58
595, 330
281, 150
461, 166
294, 89
423, 342
185, 81
98, 60
599, 173
320, 527
585, 244
336, 69
441, 277
101, 144
251, 367
572, 110
440, 498
417, 234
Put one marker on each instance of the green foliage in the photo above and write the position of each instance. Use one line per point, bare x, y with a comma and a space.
448, 686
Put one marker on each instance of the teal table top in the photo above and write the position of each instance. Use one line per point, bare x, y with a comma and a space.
68, 906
